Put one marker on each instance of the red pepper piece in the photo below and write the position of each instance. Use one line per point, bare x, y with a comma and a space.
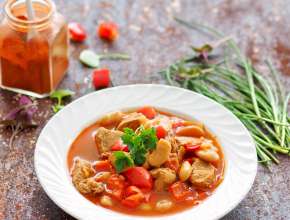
148, 111
108, 31
101, 78
161, 132
191, 148
77, 32
120, 147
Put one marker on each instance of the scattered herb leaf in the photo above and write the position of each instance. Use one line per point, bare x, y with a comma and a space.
122, 161
59, 95
20, 118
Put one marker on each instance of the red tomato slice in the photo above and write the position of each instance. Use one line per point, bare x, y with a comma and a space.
148, 111
108, 31
139, 176
77, 32
160, 132
101, 78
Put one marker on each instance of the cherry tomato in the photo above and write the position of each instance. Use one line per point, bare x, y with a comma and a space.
108, 31
148, 111
139, 176
77, 32
160, 132
101, 78
102, 165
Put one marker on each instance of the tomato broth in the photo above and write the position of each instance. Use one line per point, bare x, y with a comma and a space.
85, 147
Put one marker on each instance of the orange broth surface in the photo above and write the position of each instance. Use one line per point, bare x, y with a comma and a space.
84, 147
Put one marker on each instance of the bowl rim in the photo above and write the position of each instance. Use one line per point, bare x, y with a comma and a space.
96, 93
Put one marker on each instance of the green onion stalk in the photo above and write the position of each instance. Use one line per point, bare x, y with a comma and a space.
260, 103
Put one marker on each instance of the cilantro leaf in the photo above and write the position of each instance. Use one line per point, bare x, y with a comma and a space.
149, 138
122, 161
139, 144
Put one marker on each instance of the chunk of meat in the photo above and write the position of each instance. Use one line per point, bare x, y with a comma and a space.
163, 177
82, 178
203, 174
106, 138
113, 118
133, 120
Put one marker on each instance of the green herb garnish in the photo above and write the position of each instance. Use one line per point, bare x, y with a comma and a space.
122, 161
259, 103
59, 95
139, 143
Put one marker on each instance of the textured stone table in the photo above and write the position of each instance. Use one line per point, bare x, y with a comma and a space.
153, 39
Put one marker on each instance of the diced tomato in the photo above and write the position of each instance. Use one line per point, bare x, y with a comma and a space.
133, 201
177, 124
102, 165
108, 31
160, 132
191, 148
120, 147
101, 78
139, 176
131, 190
172, 163
180, 191
115, 186
148, 111
77, 32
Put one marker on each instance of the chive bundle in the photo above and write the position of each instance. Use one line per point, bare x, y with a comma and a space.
234, 82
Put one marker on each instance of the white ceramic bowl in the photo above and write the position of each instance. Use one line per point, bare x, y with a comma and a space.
56, 137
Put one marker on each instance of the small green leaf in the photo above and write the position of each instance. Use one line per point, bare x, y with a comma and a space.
61, 93
122, 161
90, 59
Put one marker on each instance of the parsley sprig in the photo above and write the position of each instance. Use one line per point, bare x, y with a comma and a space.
122, 161
139, 143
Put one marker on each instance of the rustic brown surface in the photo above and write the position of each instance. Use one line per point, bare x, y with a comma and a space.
154, 40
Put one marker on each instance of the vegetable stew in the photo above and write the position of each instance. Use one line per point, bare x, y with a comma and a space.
146, 162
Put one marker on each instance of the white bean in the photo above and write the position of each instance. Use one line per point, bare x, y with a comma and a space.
145, 207
163, 205
185, 171
106, 201
208, 155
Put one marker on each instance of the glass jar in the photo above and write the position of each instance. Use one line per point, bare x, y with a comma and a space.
33, 53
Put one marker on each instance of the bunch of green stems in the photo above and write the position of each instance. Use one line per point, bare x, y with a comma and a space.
260, 103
